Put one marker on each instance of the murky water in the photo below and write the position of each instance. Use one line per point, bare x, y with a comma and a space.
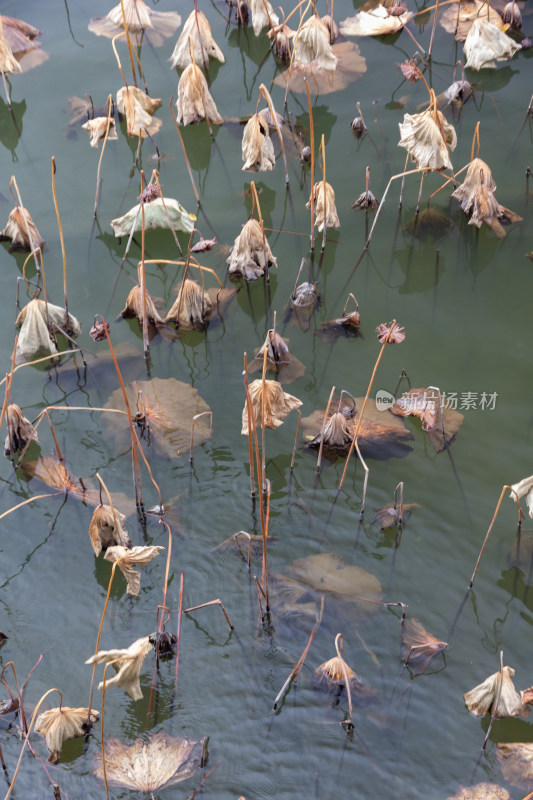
467, 319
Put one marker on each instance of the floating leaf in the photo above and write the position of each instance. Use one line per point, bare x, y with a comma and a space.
166, 408
440, 421
128, 560
103, 532
350, 66
377, 22
389, 516
127, 664
60, 724
149, 766
482, 699
482, 791
278, 404
155, 26
419, 647
516, 763
155, 216
486, 44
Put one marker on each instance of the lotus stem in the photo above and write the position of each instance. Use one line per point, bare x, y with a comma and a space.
299, 664
291, 468
98, 179
142, 271
20, 694
399, 489
28, 500
111, 504
200, 89
113, 40
178, 634
13, 183
319, 459
197, 416
195, 190
504, 489
193, 795
264, 568
61, 239
394, 177
183, 264
324, 229
302, 17
474, 138
165, 588
365, 484
250, 436
433, 29
217, 602
130, 51
312, 138
9, 381
338, 648
113, 568
264, 91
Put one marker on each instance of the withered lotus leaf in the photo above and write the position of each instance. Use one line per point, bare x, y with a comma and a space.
419, 647
20, 431
516, 763
159, 213
257, 146
476, 196
194, 101
128, 560
325, 210
330, 676
380, 435
134, 307
459, 18
511, 15
481, 791
127, 664
262, 15
140, 18
377, 22
428, 138
388, 516
97, 128
60, 724
486, 44
439, 420
8, 62
279, 359
34, 336
191, 308
138, 108
250, 255
149, 766
336, 434
312, 45
278, 404
21, 230
350, 66
103, 532
524, 488
20, 35
203, 45
166, 408
482, 699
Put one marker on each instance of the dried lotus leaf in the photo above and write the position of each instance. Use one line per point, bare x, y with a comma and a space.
277, 405
488, 698
439, 420
482, 791
127, 664
60, 724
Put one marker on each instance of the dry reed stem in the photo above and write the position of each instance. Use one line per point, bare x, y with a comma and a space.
323, 167
189, 170
338, 648
130, 49
254, 431
142, 279
19, 691
113, 568
504, 489
183, 264
266, 94
217, 602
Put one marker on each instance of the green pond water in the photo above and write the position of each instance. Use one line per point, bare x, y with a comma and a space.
465, 301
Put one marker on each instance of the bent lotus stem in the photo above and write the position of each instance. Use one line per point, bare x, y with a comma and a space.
197, 416
42, 360
9, 381
130, 49
365, 484
312, 138
256, 203
61, 238
113, 40
13, 183
28, 287
263, 401
189, 170
338, 648
319, 459
474, 138
183, 264
28, 500
193, 795
99, 180
111, 504
394, 177
20, 693
217, 602
266, 94
295, 672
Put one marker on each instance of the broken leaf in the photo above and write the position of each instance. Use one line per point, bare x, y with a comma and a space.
486, 44
149, 766
166, 408
312, 45
138, 108
250, 255
389, 516
476, 196
331, 676
60, 724
516, 763
419, 647
97, 129
483, 699
191, 308
277, 405
202, 43
428, 138
156, 26
127, 664
194, 101
167, 213
377, 22
257, 146
104, 533
262, 15
439, 420
34, 335
21, 230
135, 307
128, 559
350, 66
8, 62
20, 431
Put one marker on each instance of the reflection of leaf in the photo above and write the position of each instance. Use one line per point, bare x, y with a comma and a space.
166, 408
439, 420
516, 763
350, 66
521, 554
149, 766
482, 791
430, 223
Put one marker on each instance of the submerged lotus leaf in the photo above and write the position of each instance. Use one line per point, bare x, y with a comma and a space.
203, 45
380, 435
439, 420
377, 22
350, 66
257, 146
167, 213
486, 44
97, 129
149, 766
262, 15
20, 431
106, 529
194, 101
487, 698
459, 18
156, 26
127, 664
277, 405
138, 108
60, 724
477, 197
250, 255
419, 647
516, 763
166, 408
129, 559
21, 230
428, 138
429, 224
482, 791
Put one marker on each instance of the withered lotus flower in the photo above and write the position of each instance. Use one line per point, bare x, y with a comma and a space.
366, 200
428, 138
481, 791
325, 210
459, 18
138, 108
149, 766
129, 559
482, 699
476, 196
97, 128
332, 675
8, 62
134, 307
262, 15
419, 647
60, 724
486, 44
127, 664
377, 22
312, 45
250, 255
516, 763
203, 47
348, 323
278, 404
512, 16
140, 18
20, 228
34, 336
524, 488
20, 431
104, 533
194, 101
192, 306
257, 147
397, 334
